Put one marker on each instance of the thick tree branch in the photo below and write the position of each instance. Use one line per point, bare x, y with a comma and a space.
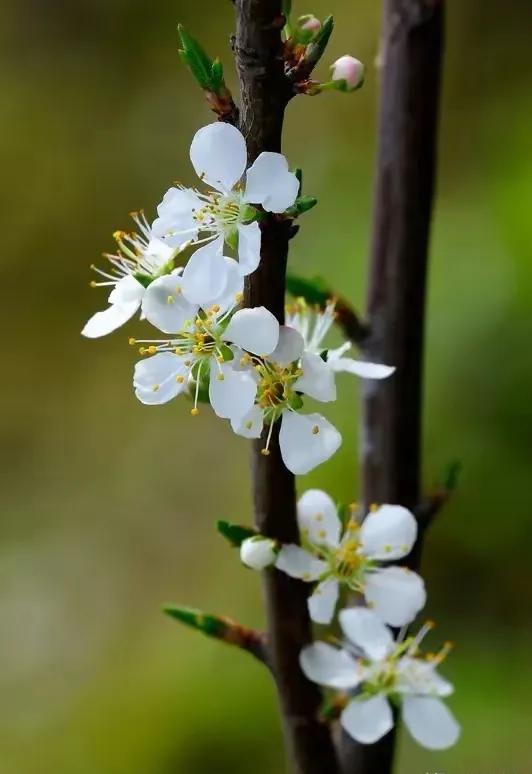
391, 431
265, 92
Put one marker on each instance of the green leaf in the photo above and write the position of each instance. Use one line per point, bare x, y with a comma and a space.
302, 204
210, 625
314, 291
199, 64
234, 533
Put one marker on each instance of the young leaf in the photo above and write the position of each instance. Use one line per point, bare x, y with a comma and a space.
193, 55
234, 533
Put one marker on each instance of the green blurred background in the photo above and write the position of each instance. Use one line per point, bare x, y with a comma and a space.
108, 507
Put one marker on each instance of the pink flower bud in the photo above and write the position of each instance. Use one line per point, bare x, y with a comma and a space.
310, 23
348, 69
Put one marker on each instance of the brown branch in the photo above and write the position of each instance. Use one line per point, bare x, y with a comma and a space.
391, 432
265, 93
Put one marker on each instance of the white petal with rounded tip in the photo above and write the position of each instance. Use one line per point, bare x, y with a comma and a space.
270, 183
255, 330
234, 286
289, 347
360, 368
317, 380
298, 563
218, 154
233, 396
205, 275
127, 290
249, 239
395, 594
388, 533
366, 631
317, 517
176, 222
325, 665
102, 323
156, 378
421, 678
250, 425
165, 306
430, 722
322, 601
306, 440
367, 720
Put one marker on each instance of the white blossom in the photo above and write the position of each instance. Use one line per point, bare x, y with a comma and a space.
258, 552
219, 156
383, 672
314, 324
332, 557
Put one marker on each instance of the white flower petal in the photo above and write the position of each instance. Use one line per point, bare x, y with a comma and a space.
233, 396
325, 665
255, 330
289, 347
388, 533
322, 601
396, 594
218, 154
176, 222
367, 631
430, 722
205, 275
298, 563
306, 440
421, 678
257, 552
317, 517
367, 720
249, 240
360, 367
250, 425
127, 291
102, 323
317, 380
234, 286
160, 378
270, 183
165, 306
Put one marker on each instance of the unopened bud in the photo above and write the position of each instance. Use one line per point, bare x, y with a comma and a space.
257, 552
350, 70
309, 23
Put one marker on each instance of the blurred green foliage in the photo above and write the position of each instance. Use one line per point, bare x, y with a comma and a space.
109, 507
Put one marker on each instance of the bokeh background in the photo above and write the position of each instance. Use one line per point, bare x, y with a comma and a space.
108, 507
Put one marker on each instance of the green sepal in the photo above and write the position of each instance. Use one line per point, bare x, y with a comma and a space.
295, 401
199, 64
316, 48
234, 533
298, 172
314, 291
210, 625
344, 514
302, 204
144, 279
231, 239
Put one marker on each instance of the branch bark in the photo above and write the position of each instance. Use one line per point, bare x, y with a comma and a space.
265, 92
406, 163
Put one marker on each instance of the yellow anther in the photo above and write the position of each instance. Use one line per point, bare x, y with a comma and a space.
180, 379
249, 425
142, 350
194, 411
315, 430
132, 341
373, 507
178, 351
387, 548
152, 349
265, 452
93, 284
216, 308
170, 300
430, 624
177, 290
239, 296
352, 524
322, 533
319, 516
188, 363
119, 235
155, 387
353, 507
220, 377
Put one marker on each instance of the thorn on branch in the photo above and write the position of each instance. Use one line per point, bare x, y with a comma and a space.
223, 629
433, 503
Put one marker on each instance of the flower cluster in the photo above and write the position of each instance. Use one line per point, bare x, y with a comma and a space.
250, 368
371, 666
